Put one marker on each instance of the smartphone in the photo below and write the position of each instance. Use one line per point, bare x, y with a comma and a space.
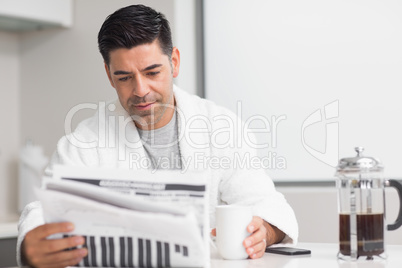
288, 251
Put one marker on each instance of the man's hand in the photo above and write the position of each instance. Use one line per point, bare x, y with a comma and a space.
37, 251
262, 235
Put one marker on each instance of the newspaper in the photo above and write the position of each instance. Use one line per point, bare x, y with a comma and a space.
132, 218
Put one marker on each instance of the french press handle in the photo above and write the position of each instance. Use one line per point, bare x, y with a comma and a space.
398, 187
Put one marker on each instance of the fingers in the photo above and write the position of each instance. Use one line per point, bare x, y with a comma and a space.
64, 258
255, 244
256, 251
258, 231
45, 230
255, 224
255, 238
48, 252
60, 259
41, 252
54, 245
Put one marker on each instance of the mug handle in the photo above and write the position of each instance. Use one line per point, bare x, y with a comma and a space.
398, 187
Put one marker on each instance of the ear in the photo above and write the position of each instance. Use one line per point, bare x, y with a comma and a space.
175, 61
109, 75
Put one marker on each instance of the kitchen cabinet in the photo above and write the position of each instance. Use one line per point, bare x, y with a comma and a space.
29, 15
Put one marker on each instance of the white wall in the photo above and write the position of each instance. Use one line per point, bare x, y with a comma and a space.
185, 40
9, 121
329, 69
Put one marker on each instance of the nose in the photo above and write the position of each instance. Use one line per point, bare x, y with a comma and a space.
140, 87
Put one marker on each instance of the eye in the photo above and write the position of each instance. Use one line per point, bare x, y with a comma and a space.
153, 73
124, 78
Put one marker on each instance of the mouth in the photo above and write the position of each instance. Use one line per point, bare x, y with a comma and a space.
143, 106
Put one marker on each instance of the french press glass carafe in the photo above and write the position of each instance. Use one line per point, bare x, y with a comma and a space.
361, 205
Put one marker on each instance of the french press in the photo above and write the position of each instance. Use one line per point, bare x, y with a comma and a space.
361, 206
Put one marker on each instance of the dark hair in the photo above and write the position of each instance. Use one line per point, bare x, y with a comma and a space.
132, 26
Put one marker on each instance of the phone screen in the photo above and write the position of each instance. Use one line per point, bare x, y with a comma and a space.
288, 251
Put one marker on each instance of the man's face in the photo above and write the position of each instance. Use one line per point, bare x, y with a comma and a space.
143, 79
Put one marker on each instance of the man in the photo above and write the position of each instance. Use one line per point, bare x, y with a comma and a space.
160, 121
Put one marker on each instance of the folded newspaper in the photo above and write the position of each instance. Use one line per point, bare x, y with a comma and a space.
132, 218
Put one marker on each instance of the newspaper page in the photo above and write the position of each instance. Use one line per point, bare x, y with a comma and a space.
132, 218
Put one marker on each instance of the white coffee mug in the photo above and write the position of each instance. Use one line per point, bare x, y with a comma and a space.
231, 230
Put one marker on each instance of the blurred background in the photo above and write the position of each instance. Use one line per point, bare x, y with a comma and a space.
47, 67
49, 63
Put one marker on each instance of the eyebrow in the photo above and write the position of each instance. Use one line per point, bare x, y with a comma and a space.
121, 72
153, 66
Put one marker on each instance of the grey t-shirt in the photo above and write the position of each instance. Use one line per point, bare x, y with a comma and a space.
162, 146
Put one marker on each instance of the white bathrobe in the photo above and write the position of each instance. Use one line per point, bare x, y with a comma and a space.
210, 138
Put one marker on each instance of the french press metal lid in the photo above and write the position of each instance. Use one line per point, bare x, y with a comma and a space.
359, 163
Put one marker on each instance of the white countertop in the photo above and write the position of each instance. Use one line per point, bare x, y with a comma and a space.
322, 256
